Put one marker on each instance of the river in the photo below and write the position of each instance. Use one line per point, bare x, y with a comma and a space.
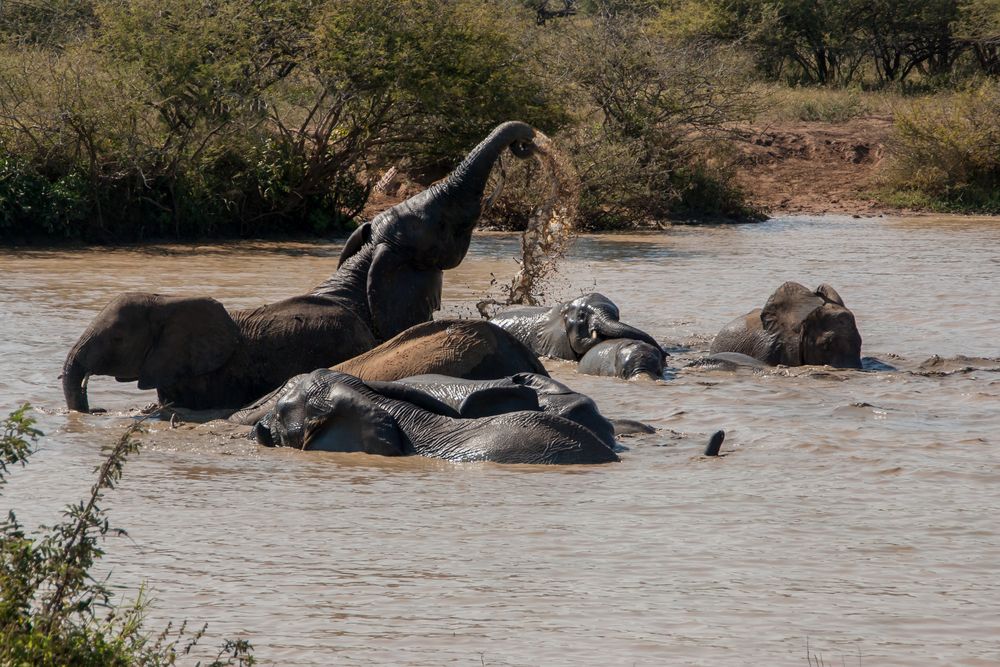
856, 512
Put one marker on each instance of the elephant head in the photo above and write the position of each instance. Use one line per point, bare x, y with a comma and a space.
624, 358
154, 339
812, 327
410, 244
332, 416
574, 327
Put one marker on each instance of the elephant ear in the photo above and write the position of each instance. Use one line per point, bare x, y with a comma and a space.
829, 294
346, 421
400, 296
492, 401
192, 336
785, 314
355, 242
553, 337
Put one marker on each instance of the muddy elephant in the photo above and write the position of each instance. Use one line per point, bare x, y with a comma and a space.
501, 421
466, 349
587, 330
198, 355
796, 327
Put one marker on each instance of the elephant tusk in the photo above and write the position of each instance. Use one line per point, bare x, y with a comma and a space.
496, 192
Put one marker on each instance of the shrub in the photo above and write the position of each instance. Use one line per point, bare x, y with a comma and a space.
947, 150
828, 105
243, 118
652, 109
52, 611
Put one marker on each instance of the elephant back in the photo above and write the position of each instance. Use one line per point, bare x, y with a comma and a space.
469, 349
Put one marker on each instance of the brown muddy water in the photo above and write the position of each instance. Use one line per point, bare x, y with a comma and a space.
855, 511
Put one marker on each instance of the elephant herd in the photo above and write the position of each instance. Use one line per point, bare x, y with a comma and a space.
358, 364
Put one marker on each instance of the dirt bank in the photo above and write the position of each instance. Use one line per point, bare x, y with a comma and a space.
815, 167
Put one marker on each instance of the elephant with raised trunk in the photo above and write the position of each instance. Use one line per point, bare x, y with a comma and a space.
466, 349
796, 327
198, 355
499, 421
587, 330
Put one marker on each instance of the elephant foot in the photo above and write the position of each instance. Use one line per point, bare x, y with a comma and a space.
98, 411
715, 443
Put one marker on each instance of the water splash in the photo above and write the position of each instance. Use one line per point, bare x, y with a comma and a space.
552, 225
549, 233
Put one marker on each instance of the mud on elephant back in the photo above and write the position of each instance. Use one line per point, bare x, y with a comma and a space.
198, 355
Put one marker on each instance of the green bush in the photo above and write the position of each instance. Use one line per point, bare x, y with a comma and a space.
52, 611
240, 118
653, 109
946, 152
32, 205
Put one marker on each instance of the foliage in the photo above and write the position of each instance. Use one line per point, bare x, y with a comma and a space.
183, 118
839, 42
828, 105
977, 28
52, 610
946, 151
653, 112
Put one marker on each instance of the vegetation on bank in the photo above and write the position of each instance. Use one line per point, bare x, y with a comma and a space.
52, 609
180, 118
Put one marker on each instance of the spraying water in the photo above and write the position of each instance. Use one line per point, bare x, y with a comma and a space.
551, 227
550, 231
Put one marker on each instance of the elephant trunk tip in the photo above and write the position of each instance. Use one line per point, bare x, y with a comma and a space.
522, 149
74, 381
715, 443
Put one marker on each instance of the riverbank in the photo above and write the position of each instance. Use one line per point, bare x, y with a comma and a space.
785, 167
813, 168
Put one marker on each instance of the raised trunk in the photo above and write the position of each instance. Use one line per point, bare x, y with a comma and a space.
74, 381
468, 181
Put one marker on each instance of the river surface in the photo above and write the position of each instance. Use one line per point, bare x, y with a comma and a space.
855, 512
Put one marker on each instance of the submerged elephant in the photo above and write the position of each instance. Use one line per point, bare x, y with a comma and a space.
796, 327
198, 355
588, 330
514, 420
467, 349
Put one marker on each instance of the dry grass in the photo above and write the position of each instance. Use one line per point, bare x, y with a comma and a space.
829, 105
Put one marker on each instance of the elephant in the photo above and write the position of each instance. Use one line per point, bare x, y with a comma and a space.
501, 420
623, 358
796, 327
198, 355
573, 330
467, 349
469, 398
